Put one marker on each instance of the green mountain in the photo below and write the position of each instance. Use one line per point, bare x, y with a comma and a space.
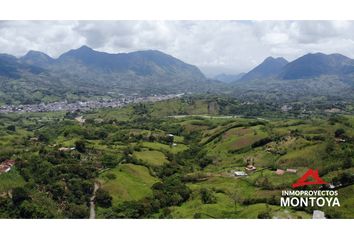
270, 67
316, 65
85, 73
312, 76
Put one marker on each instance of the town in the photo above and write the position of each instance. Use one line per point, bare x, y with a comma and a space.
84, 105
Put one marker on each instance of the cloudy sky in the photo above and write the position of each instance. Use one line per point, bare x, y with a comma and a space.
214, 46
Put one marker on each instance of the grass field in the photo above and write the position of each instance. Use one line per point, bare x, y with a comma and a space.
153, 158
132, 182
10, 180
163, 147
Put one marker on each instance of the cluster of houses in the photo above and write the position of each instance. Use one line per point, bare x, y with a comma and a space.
251, 168
85, 106
6, 165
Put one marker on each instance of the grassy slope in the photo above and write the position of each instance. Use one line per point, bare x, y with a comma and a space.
132, 182
10, 180
154, 158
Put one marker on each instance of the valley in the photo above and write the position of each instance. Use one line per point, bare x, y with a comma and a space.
91, 134
189, 157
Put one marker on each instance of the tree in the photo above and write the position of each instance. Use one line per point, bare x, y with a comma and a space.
339, 132
236, 196
172, 191
19, 195
103, 199
264, 215
204, 162
207, 196
109, 161
57, 190
31, 210
43, 138
11, 128
80, 146
77, 211
347, 163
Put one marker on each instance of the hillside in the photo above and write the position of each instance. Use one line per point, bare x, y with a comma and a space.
85, 73
270, 67
310, 77
149, 164
316, 65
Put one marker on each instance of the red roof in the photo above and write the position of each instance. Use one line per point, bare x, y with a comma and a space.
8, 162
5, 165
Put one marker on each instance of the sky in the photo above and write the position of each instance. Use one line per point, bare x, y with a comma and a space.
215, 47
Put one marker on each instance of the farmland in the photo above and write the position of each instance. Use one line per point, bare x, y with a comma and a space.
170, 159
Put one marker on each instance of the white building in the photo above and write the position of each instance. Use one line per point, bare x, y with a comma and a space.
240, 174
317, 214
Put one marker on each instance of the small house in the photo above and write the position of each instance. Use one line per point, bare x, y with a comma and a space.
291, 170
318, 215
250, 168
279, 172
6, 165
240, 174
66, 149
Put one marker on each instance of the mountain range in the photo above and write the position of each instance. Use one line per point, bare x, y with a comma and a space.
311, 65
84, 73
329, 76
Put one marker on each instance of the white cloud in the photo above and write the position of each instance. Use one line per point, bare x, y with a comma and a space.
214, 46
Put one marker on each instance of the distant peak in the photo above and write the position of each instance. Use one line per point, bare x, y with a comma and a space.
37, 57
270, 58
35, 53
315, 54
85, 48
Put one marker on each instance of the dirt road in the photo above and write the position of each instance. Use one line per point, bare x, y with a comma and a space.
92, 201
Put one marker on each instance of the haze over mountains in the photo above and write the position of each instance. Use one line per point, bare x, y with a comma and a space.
84, 73
229, 78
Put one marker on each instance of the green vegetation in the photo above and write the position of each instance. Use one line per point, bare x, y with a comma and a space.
171, 159
154, 158
130, 182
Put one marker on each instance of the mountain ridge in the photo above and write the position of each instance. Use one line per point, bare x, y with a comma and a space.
87, 72
270, 67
